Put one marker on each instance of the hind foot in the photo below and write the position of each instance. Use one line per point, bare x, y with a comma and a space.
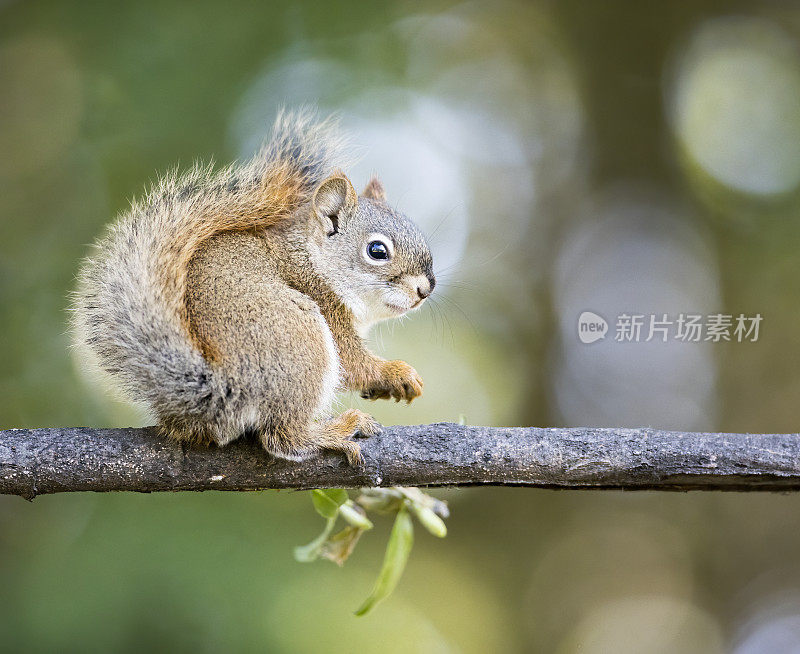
337, 434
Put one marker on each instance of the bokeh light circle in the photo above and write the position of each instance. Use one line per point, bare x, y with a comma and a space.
735, 105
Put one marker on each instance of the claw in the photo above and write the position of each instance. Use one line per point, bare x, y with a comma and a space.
397, 381
371, 428
354, 456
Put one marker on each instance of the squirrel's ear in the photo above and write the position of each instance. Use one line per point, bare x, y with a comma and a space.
333, 197
374, 190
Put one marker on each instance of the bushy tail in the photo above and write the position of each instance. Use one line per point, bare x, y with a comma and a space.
129, 307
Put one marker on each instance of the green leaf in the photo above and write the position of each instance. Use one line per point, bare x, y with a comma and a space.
394, 561
311, 552
325, 504
428, 519
338, 495
354, 514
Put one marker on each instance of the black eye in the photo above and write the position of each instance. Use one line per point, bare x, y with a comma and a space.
377, 250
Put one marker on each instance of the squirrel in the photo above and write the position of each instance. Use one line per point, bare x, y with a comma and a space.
237, 301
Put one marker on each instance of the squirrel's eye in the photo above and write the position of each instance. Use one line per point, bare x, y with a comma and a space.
377, 250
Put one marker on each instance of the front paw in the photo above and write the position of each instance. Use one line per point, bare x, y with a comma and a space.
397, 380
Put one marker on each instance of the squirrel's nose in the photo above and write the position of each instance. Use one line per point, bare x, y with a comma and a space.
423, 289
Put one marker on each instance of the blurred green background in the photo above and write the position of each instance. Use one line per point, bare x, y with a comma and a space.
563, 156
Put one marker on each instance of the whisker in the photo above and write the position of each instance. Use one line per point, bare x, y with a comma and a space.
444, 323
446, 217
461, 311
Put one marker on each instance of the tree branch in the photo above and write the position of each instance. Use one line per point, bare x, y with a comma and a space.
38, 461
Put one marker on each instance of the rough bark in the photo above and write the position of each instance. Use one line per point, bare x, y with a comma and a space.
39, 461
